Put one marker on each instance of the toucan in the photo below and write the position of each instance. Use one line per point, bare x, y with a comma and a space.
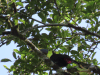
62, 60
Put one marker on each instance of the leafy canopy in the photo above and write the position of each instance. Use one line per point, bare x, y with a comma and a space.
67, 39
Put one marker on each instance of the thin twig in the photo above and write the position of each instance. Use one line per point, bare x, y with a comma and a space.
67, 25
32, 18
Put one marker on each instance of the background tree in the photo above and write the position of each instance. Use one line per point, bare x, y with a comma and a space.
61, 19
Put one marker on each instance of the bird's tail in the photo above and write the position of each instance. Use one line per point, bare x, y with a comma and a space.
81, 64
76, 62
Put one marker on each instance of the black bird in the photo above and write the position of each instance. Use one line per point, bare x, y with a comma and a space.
62, 60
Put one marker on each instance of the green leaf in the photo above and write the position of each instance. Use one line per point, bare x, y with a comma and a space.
19, 3
93, 55
22, 21
95, 61
17, 62
14, 55
49, 53
42, 16
45, 73
16, 21
22, 56
8, 43
15, 50
6, 67
83, 73
74, 52
49, 20
5, 60
11, 68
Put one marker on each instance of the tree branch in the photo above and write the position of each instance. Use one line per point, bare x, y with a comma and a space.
67, 25
72, 26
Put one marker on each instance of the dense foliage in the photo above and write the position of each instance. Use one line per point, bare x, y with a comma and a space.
65, 33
